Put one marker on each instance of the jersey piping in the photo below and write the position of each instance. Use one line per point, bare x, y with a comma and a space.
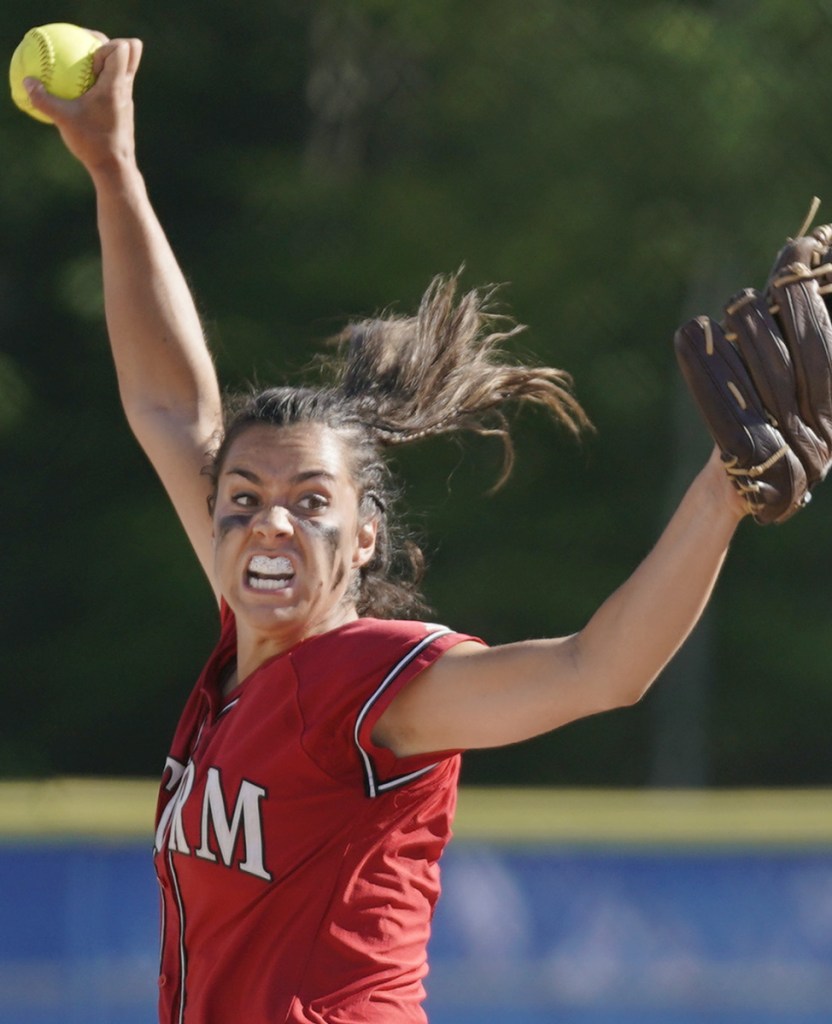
374, 785
228, 707
183, 954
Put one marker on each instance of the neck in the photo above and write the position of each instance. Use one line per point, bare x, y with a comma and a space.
255, 646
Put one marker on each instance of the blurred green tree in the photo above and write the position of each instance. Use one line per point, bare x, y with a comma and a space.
620, 167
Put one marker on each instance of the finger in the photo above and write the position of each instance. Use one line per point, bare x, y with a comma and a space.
718, 378
136, 50
802, 313
751, 327
51, 106
117, 56
808, 250
759, 338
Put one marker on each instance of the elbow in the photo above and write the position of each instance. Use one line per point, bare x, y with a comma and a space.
633, 692
634, 696
624, 693
606, 686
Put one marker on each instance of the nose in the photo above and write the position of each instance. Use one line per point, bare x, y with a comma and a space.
273, 521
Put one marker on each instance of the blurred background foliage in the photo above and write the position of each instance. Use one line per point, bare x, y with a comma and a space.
619, 167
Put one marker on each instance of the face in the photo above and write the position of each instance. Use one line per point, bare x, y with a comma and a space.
288, 539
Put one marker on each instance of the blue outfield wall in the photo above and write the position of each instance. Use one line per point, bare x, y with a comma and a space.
617, 937
556, 909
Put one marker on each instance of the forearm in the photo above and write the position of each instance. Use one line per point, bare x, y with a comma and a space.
637, 630
163, 365
481, 697
166, 376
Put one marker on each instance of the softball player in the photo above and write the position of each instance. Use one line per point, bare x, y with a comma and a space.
311, 782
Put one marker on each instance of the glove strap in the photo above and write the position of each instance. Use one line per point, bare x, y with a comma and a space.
733, 469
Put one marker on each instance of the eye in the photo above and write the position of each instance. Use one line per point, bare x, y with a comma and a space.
244, 499
313, 502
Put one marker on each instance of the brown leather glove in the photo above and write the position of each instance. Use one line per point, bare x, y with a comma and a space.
762, 379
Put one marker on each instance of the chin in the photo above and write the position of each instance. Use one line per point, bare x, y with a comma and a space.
260, 613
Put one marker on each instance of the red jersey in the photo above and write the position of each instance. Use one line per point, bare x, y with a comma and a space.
297, 860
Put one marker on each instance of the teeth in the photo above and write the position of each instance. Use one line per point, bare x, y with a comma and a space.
270, 574
265, 583
266, 566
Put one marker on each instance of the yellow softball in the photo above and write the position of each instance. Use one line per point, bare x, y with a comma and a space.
60, 55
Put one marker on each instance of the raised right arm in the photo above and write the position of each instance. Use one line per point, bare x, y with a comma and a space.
166, 376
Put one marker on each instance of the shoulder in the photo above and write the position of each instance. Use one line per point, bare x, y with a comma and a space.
346, 679
390, 629
366, 658
368, 644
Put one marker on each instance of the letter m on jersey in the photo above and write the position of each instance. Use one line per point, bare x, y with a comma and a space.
225, 832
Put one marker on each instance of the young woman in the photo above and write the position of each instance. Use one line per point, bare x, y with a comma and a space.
311, 782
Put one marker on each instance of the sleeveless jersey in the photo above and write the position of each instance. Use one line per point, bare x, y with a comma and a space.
298, 861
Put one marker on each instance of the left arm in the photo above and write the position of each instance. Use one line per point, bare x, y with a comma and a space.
487, 697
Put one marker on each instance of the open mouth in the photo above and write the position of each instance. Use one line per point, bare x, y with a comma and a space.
266, 573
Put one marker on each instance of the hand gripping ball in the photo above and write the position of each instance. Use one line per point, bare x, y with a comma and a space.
60, 55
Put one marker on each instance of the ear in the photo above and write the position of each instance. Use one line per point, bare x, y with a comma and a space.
365, 543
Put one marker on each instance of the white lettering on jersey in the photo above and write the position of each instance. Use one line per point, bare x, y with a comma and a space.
182, 781
246, 812
176, 768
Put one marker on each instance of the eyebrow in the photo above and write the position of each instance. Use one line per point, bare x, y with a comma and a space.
298, 478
